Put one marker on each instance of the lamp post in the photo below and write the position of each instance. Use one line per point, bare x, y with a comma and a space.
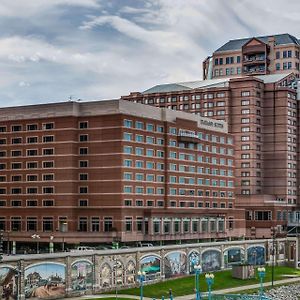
198, 271
141, 279
51, 245
261, 273
209, 277
273, 253
37, 237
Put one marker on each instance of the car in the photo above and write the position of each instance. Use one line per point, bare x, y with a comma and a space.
145, 245
124, 247
83, 248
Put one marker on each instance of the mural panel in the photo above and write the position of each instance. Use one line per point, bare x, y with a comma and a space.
211, 260
151, 266
234, 256
194, 260
175, 264
105, 276
45, 280
81, 276
256, 255
130, 272
8, 281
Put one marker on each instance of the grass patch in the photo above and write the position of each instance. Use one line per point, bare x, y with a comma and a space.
223, 279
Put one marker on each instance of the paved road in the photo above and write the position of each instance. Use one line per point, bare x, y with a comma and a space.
234, 290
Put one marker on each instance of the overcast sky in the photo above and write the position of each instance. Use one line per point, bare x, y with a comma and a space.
101, 49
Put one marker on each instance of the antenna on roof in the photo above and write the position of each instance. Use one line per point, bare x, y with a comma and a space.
70, 97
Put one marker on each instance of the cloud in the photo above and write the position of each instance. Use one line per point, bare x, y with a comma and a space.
21, 8
93, 49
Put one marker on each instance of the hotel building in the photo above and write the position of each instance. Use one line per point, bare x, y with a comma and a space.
106, 171
254, 56
262, 114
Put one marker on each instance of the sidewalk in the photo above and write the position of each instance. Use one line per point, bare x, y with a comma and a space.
234, 290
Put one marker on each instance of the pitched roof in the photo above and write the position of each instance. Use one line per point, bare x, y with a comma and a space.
280, 39
220, 82
185, 86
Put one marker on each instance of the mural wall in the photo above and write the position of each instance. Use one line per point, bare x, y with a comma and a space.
45, 280
56, 277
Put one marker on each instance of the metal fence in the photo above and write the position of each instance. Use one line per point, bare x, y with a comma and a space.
239, 297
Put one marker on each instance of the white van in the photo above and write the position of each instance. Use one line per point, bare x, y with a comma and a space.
83, 248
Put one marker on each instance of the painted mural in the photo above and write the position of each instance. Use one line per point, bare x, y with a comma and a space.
151, 266
8, 281
193, 260
211, 260
256, 255
45, 280
118, 272
130, 273
105, 276
175, 264
81, 276
233, 256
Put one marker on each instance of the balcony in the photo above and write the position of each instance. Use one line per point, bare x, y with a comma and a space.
254, 71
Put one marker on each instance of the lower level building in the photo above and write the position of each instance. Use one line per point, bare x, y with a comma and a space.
115, 171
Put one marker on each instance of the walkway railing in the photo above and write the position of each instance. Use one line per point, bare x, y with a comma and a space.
239, 297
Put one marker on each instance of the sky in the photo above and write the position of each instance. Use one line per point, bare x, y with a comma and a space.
56, 50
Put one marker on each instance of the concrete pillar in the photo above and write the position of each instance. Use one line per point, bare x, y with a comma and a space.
14, 247
21, 280
222, 257
68, 288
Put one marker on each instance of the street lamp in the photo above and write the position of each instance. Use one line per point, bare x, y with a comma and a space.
209, 277
198, 271
261, 273
36, 237
141, 279
51, 246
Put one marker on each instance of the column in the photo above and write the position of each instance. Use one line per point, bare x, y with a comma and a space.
68, 288
222, 257
21, 280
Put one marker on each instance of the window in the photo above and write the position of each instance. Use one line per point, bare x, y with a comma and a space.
32, 177
16, 141
32, 127
32, 165
48, 164
48, 203
16, 203
108, 224
48, 126
83, 138
16, 165
83, 189
32, 152
127, 123
83, 125
2, 128
32, 190
15, 153
82, 176
277, 66
48, 139
48, 190
83, 163
32, 139
47, 224
83, 202
31, 203
16, 128
82, 151
95, 224
48, 177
